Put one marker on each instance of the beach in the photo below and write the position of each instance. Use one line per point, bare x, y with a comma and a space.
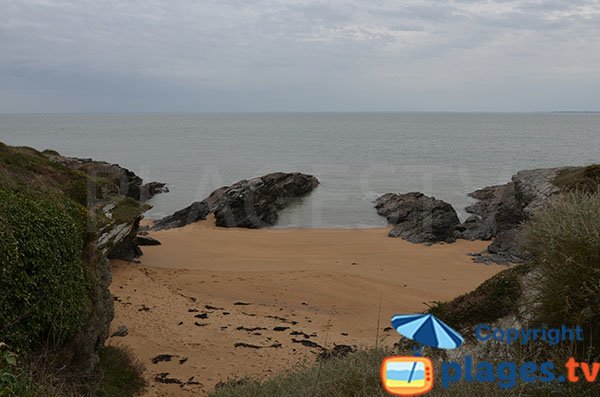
227, 303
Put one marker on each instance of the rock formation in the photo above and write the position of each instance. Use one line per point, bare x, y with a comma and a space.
252, 203
122, 181
497, 214
501, 209
418, 218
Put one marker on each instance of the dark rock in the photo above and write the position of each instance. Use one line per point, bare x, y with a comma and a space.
280, 329
304, 334
502, 209
162, 358
242, 328
418, 218
253, 203
163, 377
124, 241
307, 343
194, 213
121, 331
256, 203
151, 189
144, 240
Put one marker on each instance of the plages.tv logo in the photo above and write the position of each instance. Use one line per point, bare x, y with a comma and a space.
413, 375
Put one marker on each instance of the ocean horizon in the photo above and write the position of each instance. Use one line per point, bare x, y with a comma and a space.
357, 156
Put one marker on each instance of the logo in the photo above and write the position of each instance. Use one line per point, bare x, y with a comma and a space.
407, 376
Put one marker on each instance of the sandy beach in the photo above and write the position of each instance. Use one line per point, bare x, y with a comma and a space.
226, 303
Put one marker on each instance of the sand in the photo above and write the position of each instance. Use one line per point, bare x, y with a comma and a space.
324, 286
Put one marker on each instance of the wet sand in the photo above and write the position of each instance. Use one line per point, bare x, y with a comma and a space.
226, 303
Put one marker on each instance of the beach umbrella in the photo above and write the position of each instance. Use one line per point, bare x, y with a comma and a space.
427, 330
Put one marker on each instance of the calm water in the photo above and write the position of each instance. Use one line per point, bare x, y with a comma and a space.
357, 156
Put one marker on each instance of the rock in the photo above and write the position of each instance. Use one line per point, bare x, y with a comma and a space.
253, 203
501, 210
144, 240
474, 228
256, 203
418, 218
127, 183
151, 189
534, 188
194, 213
120, 242
121, 331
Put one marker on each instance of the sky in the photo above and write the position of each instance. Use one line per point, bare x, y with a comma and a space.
85, 56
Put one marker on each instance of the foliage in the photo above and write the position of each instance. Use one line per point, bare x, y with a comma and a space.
42, 278
23, 168
495, 298
118, 374
581, 179
564, 243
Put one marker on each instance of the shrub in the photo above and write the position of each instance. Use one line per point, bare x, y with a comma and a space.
495, 298
43, 292
564, 243
118, 374
581, 179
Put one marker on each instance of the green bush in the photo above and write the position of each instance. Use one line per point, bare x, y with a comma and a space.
564, 243
43, 288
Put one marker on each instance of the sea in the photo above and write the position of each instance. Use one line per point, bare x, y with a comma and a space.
356, 156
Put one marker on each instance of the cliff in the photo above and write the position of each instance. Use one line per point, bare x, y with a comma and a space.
60, 219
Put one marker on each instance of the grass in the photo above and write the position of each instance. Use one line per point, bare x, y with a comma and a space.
355, 375
117, 375
564, 242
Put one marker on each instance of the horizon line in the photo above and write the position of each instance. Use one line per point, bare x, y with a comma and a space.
311, 112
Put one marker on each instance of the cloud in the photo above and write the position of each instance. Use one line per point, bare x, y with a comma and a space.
140, 55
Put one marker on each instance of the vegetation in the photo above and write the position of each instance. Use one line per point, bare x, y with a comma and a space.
581, 179
43, 286
49, 278
564, 242
115, 376
495, 298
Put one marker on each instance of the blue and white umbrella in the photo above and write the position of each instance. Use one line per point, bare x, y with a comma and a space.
427, 330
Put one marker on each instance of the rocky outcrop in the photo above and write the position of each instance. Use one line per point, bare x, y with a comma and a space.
418, 218
500, 210
108, 184
252, 203
191, 214
121, 180
497, 214
256, 203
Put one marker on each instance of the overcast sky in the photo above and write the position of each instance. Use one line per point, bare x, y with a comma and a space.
333, 55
